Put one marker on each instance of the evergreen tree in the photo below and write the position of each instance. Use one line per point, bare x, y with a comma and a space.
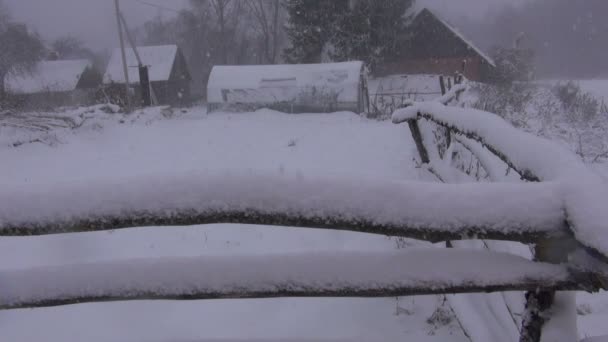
21, 50
311, 26
372, 31
514, 64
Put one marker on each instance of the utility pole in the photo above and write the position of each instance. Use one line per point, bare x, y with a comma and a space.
147, 92
124, 56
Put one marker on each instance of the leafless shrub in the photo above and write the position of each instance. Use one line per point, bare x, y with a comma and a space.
577, 104
382, 107
503, 100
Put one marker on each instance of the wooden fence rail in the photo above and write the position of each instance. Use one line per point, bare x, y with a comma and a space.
415, 271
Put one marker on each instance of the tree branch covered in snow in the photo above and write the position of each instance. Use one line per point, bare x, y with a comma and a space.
410, 272
431, 212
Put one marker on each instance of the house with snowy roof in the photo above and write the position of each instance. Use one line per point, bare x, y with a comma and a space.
169, 74
438, 48
53, 83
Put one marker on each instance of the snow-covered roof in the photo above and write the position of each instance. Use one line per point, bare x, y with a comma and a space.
272, 83
419, 86
159, 59
457, 33
48, 76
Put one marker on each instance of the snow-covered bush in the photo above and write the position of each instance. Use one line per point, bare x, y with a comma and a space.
504, 100
577, 104
562, 112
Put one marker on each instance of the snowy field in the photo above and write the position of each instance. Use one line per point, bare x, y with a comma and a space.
340, 144
596, 87
112, 147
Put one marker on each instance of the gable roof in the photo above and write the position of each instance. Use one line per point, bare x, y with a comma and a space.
48, 76
159, 59
419, 12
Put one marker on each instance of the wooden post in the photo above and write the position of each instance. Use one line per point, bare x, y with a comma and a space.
123, 55
417, 135
147, 92
539, 303
144, 84
448, 134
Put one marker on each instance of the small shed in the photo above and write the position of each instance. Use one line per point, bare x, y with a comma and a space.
54, 83
294, 88
169, 74
439, 48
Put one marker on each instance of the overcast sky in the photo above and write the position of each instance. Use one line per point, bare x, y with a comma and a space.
93, 21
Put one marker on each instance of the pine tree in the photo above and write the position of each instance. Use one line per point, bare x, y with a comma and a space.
21, 50
372, 31
310, 27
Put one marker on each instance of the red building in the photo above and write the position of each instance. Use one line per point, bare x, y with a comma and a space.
438, 48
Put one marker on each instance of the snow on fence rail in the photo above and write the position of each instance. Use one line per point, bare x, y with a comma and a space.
425, 211
390, 274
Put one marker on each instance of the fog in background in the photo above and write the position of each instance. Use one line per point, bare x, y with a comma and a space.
93, 20
569, 38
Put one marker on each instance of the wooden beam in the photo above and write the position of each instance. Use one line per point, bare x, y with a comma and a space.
254, 217
368, 206
335, 274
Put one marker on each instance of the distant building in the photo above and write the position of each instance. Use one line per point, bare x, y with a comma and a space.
169, 74
54, 83
294, 88
438, 48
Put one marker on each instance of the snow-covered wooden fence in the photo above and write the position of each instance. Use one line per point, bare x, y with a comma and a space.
432, 212
584, 247
560, 210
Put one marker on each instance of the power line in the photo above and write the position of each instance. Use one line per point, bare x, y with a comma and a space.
157, 6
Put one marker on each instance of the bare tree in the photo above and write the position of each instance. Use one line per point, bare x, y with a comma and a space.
227, 14
70, 47
268, 16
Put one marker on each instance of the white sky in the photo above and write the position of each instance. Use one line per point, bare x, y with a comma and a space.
93, 21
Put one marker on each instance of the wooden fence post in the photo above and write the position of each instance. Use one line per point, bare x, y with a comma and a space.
417, 135
539, 303
448, 134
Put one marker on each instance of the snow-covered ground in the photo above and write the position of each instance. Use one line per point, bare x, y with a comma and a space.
340, 144
110, 147
596, 87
